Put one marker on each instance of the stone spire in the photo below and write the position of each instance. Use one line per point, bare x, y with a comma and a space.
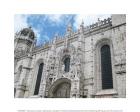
82, 27
55, 38
69, 29
99, 22
53, 47
68, 33
81, 37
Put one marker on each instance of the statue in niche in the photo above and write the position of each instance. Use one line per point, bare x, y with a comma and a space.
63, 67
78, 59
73, 59
74, 72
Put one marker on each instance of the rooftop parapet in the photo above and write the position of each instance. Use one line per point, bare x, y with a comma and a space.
99, 24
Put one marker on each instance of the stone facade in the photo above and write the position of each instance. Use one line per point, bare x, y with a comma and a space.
83, 48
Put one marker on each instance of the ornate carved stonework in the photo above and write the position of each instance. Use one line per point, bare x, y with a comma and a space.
72, 64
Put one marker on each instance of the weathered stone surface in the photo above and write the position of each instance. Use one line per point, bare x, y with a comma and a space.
83, 49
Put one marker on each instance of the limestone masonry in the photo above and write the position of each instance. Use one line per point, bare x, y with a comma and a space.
88, 63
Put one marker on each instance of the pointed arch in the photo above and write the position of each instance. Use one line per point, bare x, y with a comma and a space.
39, 66
104, 65
57, 86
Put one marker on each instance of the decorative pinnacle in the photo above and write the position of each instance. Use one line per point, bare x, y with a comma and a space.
82, 24
99, 22
69, 27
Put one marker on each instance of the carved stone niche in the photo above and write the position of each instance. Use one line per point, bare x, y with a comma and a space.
66, 50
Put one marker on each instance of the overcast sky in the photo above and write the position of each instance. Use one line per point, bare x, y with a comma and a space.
46, 25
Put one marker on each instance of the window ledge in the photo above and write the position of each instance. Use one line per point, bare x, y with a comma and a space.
107, 92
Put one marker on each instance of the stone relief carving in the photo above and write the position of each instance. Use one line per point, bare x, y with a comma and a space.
58, 65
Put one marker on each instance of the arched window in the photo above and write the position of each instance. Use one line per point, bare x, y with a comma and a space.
67, 64
106, 67
39, 75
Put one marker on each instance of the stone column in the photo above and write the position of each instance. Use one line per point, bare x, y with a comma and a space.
43, 83
21, 87
20, 90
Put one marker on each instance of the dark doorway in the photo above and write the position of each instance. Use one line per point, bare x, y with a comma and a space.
62, 91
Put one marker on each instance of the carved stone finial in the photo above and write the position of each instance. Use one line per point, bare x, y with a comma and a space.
82, 26
55, 38
69, 28
99, 22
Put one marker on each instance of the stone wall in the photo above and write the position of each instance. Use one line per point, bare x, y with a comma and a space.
106, 33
